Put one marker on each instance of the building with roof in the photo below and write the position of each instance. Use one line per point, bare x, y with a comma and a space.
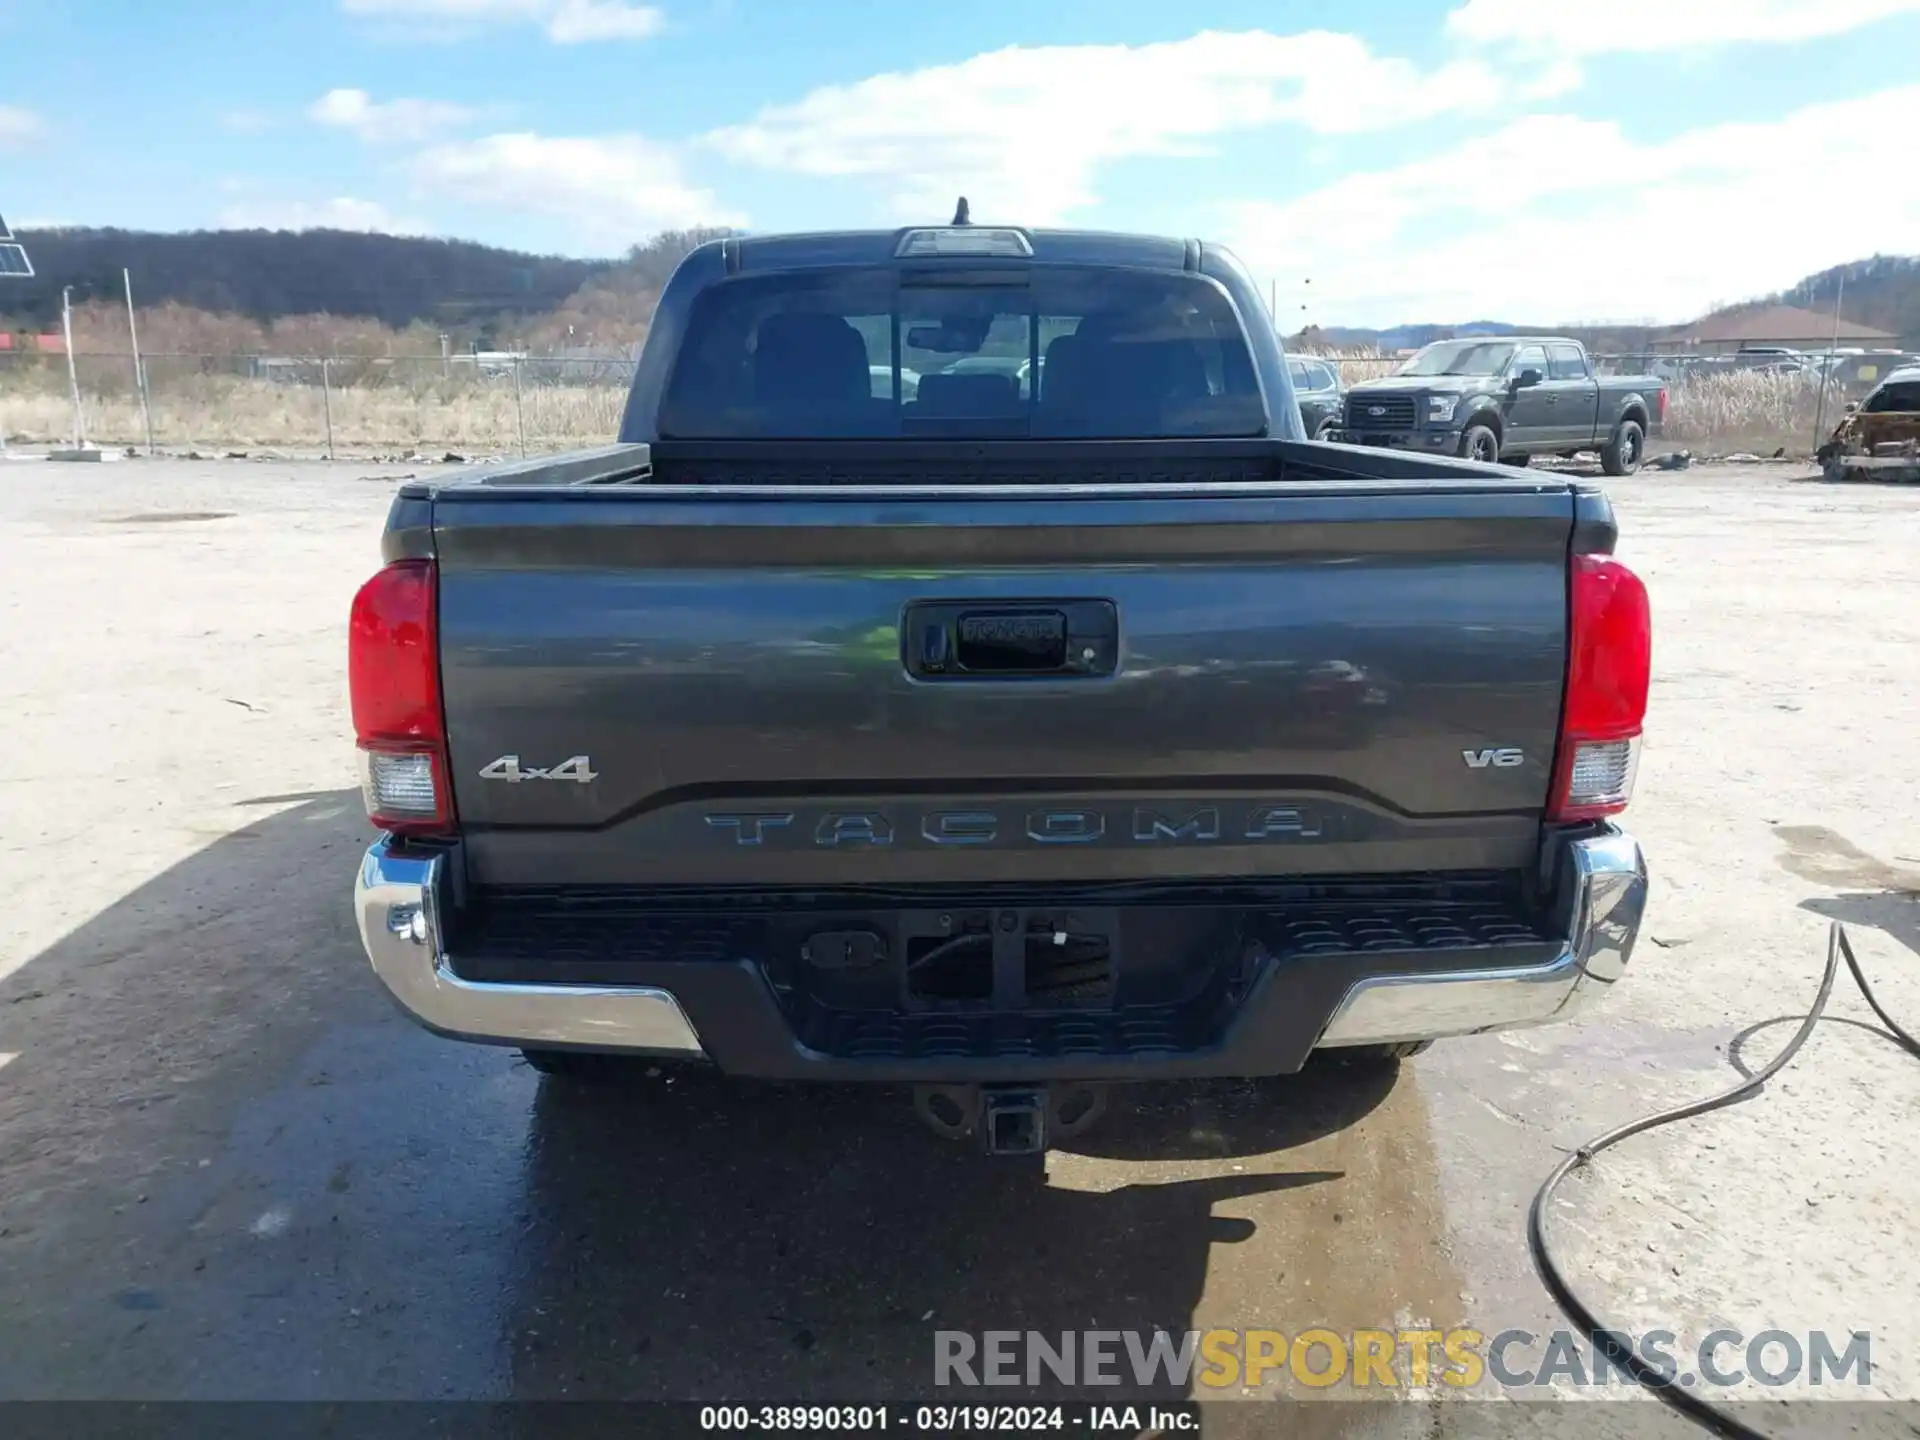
1783, 326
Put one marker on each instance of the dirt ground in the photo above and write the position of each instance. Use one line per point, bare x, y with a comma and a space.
230, 1169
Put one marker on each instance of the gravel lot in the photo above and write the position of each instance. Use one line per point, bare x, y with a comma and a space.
228, 1168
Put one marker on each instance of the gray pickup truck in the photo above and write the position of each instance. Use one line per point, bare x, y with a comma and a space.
1005, 740
1508, 398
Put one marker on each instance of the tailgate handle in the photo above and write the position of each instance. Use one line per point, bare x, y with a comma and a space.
1012, 640
958, 640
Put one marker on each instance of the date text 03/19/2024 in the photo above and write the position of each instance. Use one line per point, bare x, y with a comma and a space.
945, 1419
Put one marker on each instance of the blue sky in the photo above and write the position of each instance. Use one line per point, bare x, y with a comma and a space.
1549, 160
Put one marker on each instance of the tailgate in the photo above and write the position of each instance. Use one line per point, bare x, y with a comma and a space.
745, 687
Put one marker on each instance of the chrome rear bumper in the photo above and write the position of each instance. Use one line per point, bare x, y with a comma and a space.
1604, 889
397, 900
398, 896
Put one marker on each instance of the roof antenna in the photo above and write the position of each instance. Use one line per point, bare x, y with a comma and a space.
960, 216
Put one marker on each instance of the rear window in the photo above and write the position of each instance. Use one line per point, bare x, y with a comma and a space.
1311, 375
1894, 398
882, 352
1564, 363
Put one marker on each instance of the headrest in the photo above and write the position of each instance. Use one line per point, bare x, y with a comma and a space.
809, 357
968, 395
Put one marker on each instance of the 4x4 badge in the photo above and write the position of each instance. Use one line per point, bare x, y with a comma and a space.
507, 768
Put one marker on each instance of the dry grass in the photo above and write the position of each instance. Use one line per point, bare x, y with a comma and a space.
1750, 410
1717, 414
222, 412
1354, 369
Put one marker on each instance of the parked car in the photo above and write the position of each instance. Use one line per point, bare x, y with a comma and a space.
1879, 438
1770, 359
881, 380
1121, 734
1859, 371
1012, 368
1317, 386
1508, 398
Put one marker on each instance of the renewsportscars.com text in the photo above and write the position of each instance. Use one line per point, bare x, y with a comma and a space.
1388, 1359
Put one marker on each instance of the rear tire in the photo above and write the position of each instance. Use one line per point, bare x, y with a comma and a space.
1625, 448
1479, 442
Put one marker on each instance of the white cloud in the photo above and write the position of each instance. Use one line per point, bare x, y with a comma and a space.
1023, 131
566, 22
249, 121
614, 190
1597, 27
576, 22
1633, 231
1558, 77
18, 127
399, 121
343, 212
481, 11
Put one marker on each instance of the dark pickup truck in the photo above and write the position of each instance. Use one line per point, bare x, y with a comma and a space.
996, 739
1508, 398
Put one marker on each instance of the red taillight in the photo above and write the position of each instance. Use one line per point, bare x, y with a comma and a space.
1660, 406
1609, 665
393, 676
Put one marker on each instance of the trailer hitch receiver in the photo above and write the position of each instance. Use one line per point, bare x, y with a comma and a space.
1010, 1119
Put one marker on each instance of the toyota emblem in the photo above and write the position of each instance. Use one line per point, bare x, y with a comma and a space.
1376, 410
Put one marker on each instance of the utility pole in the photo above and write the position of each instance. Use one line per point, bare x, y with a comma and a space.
1826, 370
139, 370
73, 375
14, 265
326, 402
519, 414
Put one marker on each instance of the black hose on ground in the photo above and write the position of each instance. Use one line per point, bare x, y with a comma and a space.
1611, 1342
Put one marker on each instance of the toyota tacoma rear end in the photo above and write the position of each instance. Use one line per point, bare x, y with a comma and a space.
1066, 718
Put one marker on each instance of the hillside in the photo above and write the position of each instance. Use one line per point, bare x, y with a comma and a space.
1883, 291
613, 308
269, 274
305, 292
411, 293
1402, 337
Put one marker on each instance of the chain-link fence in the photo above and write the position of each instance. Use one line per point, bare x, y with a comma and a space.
1852, 373
507, 405
341, 405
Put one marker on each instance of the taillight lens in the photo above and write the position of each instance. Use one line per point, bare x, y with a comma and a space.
1609, 666
393, 675
1660, 408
